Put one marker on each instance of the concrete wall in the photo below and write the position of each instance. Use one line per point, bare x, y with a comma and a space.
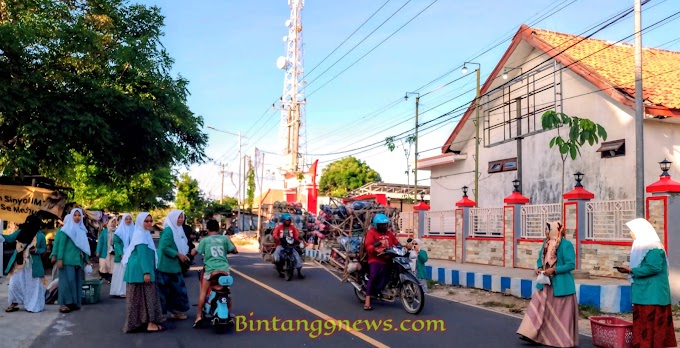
600, 259
527, 254
485, 252
542, 167
440, 248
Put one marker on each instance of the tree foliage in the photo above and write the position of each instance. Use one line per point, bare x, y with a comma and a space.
345, 175
91, 78
189, 197
250, 191
214, 206
144, 192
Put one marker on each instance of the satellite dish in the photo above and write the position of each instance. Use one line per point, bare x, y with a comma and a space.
281, 62
288, 23
285, 38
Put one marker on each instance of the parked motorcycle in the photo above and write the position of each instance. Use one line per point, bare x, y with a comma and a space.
400, 282
216, 309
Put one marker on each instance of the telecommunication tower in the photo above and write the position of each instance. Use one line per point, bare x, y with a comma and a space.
292, 133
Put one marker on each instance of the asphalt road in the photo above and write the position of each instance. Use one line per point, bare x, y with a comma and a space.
260, 294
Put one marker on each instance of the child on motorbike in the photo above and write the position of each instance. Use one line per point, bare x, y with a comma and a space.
214, 249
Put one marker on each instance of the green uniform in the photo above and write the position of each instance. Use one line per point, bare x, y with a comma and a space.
40, 248
103, 243
68, 252
214, 250
142, 261
118, 247
650, 280
168, 262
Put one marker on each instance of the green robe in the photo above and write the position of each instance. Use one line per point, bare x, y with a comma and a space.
118, 249
650, 280
68, 252
36, 259
142, 261
168, 262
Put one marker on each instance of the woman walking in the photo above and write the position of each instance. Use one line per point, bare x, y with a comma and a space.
143, 309
121, 240
650, 289
73, 251
105, 251
552, 315
173, 247
25, 267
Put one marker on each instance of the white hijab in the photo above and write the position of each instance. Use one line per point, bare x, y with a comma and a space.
646, 239
124, 231
77, 231
177, 231
140, 236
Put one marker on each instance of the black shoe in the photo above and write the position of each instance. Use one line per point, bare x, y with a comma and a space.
300, 276
281, 275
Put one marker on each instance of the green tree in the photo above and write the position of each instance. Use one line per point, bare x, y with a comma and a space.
145, 191
189, 197
406, 143
581, 130
91, 78
345, 175
250, 192
214, 206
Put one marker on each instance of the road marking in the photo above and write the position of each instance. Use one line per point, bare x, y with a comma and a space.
319, 314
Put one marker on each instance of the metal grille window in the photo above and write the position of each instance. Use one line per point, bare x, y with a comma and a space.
440, 223
486, 222
606, 220
535, 217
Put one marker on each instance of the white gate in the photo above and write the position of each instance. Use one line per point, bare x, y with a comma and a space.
440, 222
486, 222
606, 220
534, 219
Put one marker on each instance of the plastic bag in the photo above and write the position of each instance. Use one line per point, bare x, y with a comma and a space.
88, 269
543, 279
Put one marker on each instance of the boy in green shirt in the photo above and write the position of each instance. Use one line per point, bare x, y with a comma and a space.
214, 249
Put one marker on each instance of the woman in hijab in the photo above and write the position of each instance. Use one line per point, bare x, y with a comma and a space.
121, 240
26, 268
143, 309
552, 315
105, 251
73, 250
650, 289
173, 249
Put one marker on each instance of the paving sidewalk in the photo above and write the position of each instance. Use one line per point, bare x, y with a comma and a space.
19, 329
609, 295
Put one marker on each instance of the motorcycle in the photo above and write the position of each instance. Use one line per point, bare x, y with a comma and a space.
216, 309
400, 282
287, 259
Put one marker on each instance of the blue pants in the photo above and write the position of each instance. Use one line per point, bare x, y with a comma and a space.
296, 255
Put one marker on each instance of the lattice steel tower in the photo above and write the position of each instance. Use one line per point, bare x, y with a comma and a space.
292, 133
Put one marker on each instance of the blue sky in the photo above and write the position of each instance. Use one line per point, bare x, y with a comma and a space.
228, 49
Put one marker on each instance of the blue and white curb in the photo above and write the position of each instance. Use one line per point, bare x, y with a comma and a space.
606, 298
316, 255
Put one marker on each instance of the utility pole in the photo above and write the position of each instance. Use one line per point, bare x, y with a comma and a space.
415, 168
222, 195
239, 169
477, 107
639, 118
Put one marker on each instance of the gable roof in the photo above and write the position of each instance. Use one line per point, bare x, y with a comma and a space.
609, 67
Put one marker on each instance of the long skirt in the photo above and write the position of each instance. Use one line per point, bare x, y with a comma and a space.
71, 286
376, 278
106, 264
142, 307
27, 291
117, 283
653, 326
551, 321
172, 292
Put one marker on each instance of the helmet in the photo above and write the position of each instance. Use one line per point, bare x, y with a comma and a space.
285, 216
380, 219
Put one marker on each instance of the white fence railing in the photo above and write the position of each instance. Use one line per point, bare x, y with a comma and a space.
486, 222
606, 220
440, 222
535, 217
406, 223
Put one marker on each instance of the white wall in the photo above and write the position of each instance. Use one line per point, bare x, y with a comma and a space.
607, 178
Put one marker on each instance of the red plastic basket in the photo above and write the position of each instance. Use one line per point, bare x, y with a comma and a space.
611, 332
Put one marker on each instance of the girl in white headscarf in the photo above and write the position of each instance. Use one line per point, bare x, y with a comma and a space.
143, 309
73, 251
174, 247
105, 250
650, 289
121, 240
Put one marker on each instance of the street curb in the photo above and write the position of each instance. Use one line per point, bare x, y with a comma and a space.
606, 298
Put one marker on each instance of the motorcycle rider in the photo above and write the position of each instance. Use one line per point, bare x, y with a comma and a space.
281, 233
378, 238
214, 249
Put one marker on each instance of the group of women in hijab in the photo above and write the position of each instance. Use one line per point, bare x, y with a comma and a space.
155, 285
552, 315
113, 241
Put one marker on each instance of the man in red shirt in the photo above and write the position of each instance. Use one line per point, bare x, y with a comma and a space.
282, 234
377, 240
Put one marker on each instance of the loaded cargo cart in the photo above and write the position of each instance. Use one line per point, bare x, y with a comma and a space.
342, 252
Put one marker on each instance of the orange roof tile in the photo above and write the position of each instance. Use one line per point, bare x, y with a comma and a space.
610, 67
615, 65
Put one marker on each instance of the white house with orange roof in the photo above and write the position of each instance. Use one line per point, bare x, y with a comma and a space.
590, 78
